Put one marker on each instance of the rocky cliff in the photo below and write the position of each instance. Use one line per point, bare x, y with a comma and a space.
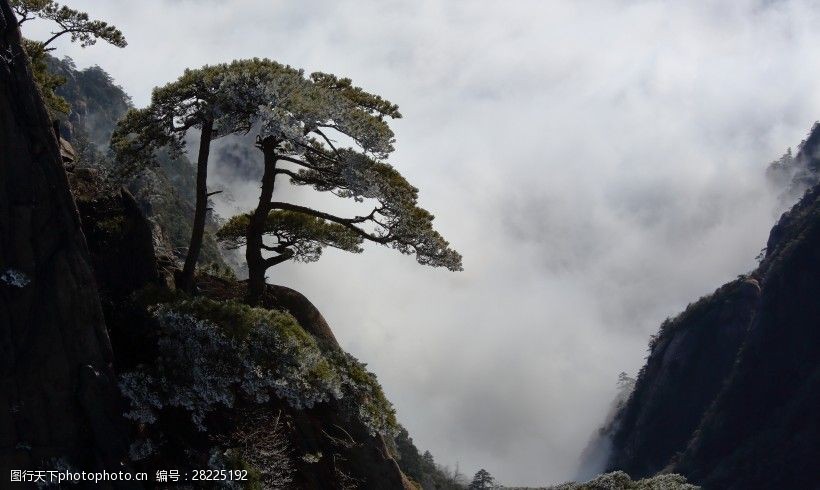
58, 394
106, 366
730, 393
210, 383
164, 192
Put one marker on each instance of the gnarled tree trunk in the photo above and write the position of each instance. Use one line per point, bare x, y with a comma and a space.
257, 264
198, 230
57, 392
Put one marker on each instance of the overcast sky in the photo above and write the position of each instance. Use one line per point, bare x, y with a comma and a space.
599, 164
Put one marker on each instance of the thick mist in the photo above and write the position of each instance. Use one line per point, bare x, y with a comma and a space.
598, 164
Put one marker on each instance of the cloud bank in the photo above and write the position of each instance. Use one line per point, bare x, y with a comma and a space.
598, 164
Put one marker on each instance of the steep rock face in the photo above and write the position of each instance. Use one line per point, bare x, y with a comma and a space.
121, 241
689, 361
730, 393
58, 398
763, 429
350, 453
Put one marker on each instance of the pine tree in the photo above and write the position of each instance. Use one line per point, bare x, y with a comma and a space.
482, 480
213, 100
295, 118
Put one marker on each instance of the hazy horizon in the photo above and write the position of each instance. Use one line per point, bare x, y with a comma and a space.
599, 166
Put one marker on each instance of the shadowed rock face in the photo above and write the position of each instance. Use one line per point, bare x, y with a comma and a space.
121, 244
763, 429
57, 396
686, 369
308, 316
730, 394
346, 445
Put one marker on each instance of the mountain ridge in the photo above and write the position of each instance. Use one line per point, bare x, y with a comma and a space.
732, 381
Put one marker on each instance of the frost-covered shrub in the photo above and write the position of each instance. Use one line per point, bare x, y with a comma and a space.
364, 395
618, 480
141, 449
311, 458
211, 352
14, 278
197, 369
258, 444
290, 365
198, 364
225, 460
138, 387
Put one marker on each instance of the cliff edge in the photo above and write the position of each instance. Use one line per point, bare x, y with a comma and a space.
730, 392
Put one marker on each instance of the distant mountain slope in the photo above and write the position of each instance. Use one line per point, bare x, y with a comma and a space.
794, 174
165, 193
730, 394
96, 101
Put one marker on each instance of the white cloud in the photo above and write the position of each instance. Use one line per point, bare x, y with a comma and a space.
599, 164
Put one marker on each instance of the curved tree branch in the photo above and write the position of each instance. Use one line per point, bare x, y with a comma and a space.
316, 151
327, 140
278, 259
298, 162
349, 223
56, 35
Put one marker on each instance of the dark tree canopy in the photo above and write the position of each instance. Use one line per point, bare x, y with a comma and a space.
215, 100
394, 219
215, 95
299, 236
69, 21
296, 119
